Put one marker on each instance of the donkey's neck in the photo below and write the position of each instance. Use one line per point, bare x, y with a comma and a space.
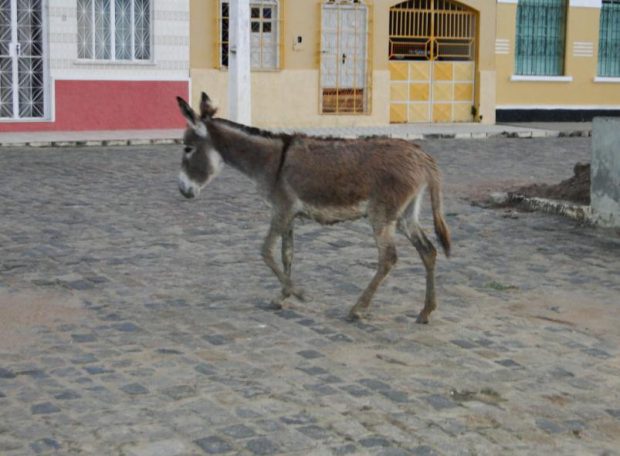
253, 152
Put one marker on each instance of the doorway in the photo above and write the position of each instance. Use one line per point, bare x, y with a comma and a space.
432, 49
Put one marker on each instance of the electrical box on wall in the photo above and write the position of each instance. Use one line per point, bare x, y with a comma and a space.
298, 43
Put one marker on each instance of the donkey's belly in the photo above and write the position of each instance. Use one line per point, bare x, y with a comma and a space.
332, 214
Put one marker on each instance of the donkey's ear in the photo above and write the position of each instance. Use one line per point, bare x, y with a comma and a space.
192, 119
206, 107
187, 111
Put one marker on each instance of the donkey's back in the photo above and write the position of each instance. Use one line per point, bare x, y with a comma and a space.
348, 177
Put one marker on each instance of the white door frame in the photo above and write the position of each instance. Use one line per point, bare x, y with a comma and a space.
338, 70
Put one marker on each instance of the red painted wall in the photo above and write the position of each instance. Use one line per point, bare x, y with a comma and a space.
111, 105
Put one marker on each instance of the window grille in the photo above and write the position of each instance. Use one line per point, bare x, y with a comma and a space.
541, 36
609, 40
432, 30
114, 29
264, 34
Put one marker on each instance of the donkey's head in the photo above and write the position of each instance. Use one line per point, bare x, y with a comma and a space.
201, 162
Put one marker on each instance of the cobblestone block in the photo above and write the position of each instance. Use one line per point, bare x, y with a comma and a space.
262, 446
134, 389
238, 431
44, 409
214, 445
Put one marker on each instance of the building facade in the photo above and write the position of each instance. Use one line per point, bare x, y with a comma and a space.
363, 62
557, 59
71, 65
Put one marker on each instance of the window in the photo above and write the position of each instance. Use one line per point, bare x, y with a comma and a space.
609, 40
114, 29
541, 35
264, 36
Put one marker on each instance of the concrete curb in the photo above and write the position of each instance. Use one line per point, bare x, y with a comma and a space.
94, 142
578, 212
406, 136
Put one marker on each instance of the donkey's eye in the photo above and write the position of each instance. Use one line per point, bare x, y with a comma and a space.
188, 149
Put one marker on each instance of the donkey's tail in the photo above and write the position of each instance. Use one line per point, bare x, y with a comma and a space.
441, 229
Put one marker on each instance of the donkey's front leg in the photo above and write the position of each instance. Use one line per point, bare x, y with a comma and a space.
281, 227
287, 250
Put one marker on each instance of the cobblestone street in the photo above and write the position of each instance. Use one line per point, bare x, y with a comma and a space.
134, 322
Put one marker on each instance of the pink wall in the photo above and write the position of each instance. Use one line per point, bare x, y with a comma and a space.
111, 105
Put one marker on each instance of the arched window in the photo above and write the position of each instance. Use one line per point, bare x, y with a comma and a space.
541, 36
264, 34
432, 30
609, 40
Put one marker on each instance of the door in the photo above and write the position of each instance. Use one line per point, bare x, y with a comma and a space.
344, 61
22, 64
432, 61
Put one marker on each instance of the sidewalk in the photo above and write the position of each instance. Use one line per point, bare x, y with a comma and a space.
405, 131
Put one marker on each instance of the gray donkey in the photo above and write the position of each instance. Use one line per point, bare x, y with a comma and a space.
326, 179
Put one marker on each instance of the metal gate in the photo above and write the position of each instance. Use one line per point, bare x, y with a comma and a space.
22, 72
432, 48
344, 57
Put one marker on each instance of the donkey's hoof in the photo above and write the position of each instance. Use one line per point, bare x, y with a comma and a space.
422, 319
276, 304
299, 293
356, 315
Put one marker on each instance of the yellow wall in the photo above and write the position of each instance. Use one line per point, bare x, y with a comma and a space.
582, 27
290, 96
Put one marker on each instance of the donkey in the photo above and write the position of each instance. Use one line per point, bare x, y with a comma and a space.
328, 180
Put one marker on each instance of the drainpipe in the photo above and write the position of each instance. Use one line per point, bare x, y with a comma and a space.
239, 83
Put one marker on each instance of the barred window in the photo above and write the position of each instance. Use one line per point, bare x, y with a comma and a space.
114, 29
264, 34
541, 36
609, 40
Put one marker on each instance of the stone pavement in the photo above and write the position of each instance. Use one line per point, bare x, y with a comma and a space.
135, 322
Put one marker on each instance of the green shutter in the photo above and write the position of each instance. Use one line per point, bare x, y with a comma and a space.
609, 40
540, 41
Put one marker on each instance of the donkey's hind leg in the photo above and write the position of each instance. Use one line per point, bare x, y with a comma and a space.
428, 253
384, 237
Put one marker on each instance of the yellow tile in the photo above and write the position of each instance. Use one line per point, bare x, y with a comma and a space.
419, 92
442, 71
398, 113
399, 71
464, 71
442, 91
462, 112
420, 71
419, 112
399, 91
463, 92
442, 112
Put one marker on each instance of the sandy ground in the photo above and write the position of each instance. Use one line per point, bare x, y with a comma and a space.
24, 314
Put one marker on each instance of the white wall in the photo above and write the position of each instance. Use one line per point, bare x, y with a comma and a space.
170, 44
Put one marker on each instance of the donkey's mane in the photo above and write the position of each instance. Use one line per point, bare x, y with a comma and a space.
253, 131
288, 138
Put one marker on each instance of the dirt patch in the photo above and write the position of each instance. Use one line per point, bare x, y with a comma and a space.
23, 314
575, 189
581, 311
